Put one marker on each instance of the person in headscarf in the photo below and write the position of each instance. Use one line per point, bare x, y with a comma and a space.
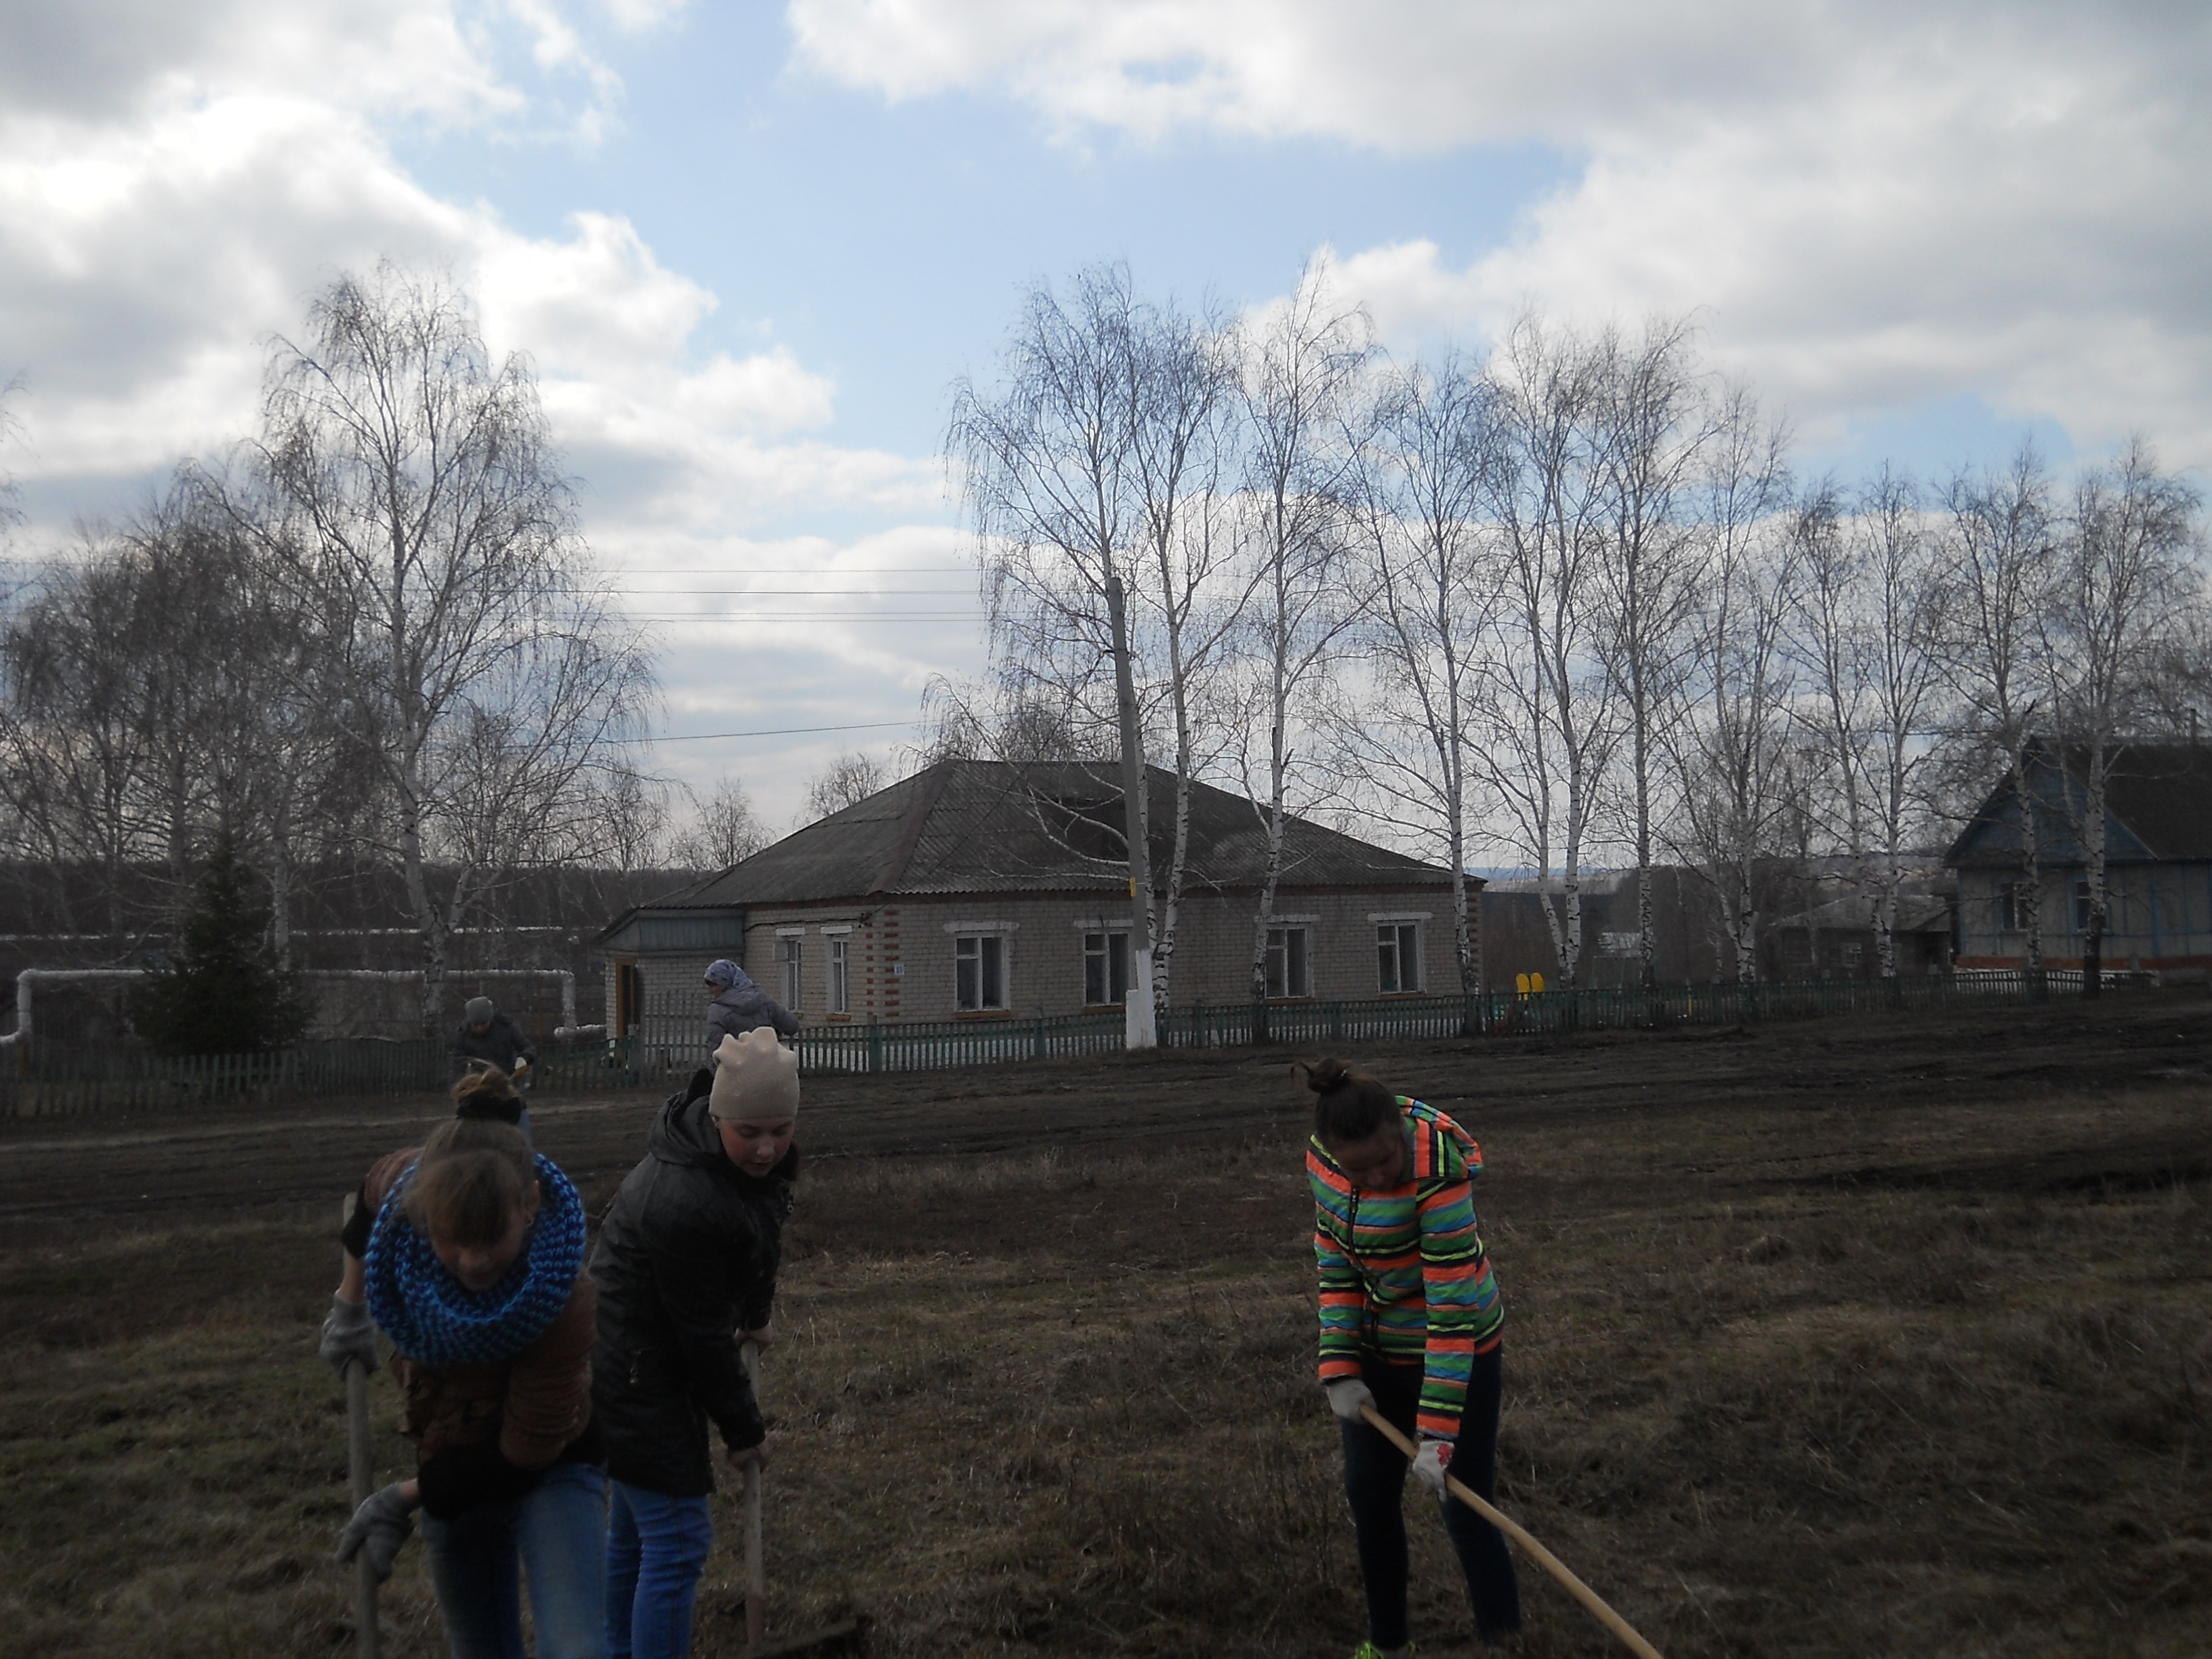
736, 1005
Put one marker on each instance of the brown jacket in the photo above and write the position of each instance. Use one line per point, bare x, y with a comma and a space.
536, 1402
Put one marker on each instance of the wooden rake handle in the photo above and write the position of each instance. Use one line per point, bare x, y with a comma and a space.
756, 1567
1544, 1558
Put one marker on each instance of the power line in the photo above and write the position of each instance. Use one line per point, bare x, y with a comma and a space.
795, 594
785, 732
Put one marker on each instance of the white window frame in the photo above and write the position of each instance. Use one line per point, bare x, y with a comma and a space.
986, 943
1110, 935
1281, 985
1392, 937
839, 995
791, 952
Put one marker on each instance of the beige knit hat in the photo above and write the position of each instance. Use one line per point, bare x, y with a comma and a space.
755, 1077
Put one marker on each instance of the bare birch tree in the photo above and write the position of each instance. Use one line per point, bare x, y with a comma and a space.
1087, 476
1900, 634
1300, 392
1405, 728
1655, 424
409, 496
845, 781
1549, 720
2127, 562
1731, 752
1827, 645
1186, 380
1997, 561
1044, 462
724, 829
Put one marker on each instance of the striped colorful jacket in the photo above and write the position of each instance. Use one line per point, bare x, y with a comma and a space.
1404, 1271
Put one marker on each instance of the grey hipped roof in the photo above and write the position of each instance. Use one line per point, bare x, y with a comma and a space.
968, 826
2158, 808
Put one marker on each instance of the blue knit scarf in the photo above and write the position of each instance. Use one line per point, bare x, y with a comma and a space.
434, 1320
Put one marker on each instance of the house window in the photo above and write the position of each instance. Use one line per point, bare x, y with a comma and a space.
1289, 974
841, 997
792, 953
2082, 907
2009, 907
1398, 957
979, 972
1105, 968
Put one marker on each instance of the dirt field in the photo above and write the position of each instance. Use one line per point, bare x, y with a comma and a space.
1876, 1338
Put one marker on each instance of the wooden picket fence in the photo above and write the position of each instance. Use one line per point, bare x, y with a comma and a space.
54, 1079
671, 1040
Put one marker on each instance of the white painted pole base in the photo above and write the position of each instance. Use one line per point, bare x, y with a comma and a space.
1139, 1030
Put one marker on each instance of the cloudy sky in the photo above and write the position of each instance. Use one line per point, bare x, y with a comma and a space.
748, 247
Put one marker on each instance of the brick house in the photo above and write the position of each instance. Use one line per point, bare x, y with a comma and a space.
982, 889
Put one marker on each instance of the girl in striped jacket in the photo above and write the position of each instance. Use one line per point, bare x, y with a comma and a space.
1409, 1324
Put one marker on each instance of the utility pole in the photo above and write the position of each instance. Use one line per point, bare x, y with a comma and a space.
1140, 1030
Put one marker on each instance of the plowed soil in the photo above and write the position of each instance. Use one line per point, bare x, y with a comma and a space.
1838, 1337
156, 1165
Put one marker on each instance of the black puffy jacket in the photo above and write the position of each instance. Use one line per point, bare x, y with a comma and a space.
686, 1259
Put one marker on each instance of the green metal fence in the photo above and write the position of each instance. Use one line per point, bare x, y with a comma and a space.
54, 1081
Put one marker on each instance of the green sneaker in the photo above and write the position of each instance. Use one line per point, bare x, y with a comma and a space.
1368, 1650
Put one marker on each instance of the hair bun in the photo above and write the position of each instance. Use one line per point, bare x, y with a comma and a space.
1326, 1074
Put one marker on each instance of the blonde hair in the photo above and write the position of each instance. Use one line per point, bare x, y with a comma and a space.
472, 1180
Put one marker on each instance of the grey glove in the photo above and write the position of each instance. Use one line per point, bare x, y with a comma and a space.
348, 1337
384, 1522
1346, 1395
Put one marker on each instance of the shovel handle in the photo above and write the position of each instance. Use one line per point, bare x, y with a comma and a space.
361, 1468
368, 1637
1543, 1558
756, 1569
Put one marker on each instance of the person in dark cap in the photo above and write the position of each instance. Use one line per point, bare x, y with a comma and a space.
738, 1005
488, 1037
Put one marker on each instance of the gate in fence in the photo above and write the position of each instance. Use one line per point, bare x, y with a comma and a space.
669, 1040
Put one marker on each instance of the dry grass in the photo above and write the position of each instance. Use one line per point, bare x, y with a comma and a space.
1849, 1380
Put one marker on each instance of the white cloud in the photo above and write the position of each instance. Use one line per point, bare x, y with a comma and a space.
97, 60
151, 241
1868, 205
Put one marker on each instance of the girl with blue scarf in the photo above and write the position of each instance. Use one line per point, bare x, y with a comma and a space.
473, 1268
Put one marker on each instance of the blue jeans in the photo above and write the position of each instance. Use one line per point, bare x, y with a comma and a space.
558, 1530
656, 1549
1375, 1480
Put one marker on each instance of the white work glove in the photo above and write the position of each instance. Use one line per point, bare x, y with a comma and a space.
521, 1064
1432, 1462
385, 1521
348, 1337
1346, 1395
